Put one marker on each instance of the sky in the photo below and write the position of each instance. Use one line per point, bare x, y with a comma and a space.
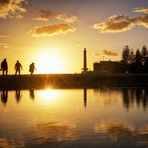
53, 33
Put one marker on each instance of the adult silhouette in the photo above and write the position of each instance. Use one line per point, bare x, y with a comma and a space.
32, 68
18, 67
4, 67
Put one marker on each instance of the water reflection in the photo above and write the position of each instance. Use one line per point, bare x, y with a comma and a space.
18, 95
4, 96
54, 131
122, 131
116, 130
85, 97
132, 97
32, 95
58, 117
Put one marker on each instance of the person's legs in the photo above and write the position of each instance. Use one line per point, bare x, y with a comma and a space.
6, 71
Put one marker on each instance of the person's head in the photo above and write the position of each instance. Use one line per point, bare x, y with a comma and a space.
17, 61
4, 59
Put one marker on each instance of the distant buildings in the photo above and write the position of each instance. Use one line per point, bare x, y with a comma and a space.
111, 67
131, 63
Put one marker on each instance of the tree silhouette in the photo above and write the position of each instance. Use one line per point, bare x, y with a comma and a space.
144, 53
126, 54
138, 64
132, 57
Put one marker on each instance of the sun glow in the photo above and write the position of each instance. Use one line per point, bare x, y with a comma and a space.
48, 96
49, 61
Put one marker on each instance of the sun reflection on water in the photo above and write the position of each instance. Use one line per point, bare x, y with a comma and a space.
48, 96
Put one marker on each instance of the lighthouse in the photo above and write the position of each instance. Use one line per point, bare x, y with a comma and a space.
84, 61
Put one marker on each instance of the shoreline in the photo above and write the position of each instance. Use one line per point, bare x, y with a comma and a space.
38, 81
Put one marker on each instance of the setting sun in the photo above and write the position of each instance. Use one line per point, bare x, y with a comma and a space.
49, 62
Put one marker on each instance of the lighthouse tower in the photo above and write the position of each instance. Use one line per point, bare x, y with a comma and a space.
85, 69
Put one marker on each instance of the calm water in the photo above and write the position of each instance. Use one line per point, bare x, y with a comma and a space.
74, 118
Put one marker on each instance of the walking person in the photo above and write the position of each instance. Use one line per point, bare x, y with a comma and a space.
32, 68
18, 67
4, 67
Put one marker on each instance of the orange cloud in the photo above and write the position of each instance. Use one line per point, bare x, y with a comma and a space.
121, 23
68, 19
51, 30
11, 8
114, 24
45, 15
141, 10
109, 53
143, 21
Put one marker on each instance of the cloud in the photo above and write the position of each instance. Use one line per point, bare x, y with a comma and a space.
11, 8
5, 36
143, 21
141, 10
67, 19
4, 45
121, 23
45, 15
109, 53
114, 24
51, 30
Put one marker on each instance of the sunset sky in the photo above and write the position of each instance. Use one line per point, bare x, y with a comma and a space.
53, 33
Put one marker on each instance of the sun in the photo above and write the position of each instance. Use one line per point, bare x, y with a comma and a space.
49, 61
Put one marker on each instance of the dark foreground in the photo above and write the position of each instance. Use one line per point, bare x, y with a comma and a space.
73, 81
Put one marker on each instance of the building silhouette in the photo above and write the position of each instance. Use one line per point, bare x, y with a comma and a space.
84, 69
111, 67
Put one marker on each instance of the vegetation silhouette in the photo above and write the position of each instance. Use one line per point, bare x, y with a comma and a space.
4, 67
138, 61
18, 67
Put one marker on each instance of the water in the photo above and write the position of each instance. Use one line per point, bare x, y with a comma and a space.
74, 118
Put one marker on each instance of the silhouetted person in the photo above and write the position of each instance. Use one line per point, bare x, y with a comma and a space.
18, 67
18, 95
32, 96
4, 67
32, 68
4, 96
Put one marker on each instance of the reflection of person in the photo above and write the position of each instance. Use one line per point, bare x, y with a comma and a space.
4, 96
18, 67
4, 67
32, 68
31, 91
18, 95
